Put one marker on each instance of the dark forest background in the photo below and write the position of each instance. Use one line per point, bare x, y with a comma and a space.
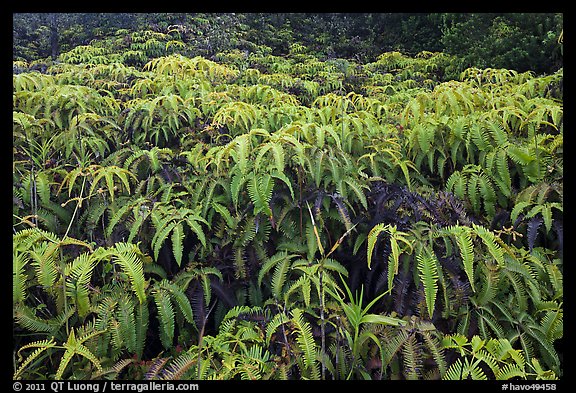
518, 41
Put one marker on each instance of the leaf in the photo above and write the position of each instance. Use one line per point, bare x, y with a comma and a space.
141, 318
238, 180
357, 188
19, 261
260, 192
70, 346
177, 242
41, 347
271, 262
125, 317
382, 320
45, 265
166, 316
427, 266
489, 240
393, 261
372, 237
304, 338
160, 237
196, 228
181, 300
80, 272
225, 213
464, 241
129, 257
279, 277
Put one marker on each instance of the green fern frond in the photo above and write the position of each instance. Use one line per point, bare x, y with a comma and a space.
127, 322
272, 326
279, 277
179, 366
177, 242
166, 316
141, 320
162, 233
41, 346
357, 188
180, 299
75, 347
393, 346
428, 268
260, 192
489, 240
80, 271
304, 338
464, 241
438, 355
372, 237
19, 277
130, 259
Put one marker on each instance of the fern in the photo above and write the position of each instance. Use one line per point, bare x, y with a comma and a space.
129, 257
179, 366
166, 316
180, 299
503, 361
40, 346
427, 266
464, 241
73, 347
305, 341
80, 271
398, 244
19, 261
260, 192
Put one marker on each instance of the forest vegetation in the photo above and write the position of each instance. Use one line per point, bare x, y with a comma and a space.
287, 196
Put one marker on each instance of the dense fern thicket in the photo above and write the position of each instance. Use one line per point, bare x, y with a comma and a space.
254, 216
520, 41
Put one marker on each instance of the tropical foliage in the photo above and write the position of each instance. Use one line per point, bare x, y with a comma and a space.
255, 216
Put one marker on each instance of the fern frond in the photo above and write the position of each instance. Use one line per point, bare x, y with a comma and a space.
19, 261
80, 271
489, 240
433, 344
155, 368
181, 300
166, 316
41, 347
161, 235
412, 359
129, 257
372, 237
274, 324
74, 347
393, 345
428, 268
260, 192
177, 242
141, 319
127, 322
464, 241
179, 366
510, 371
272, 262
304, 338
116, 369
279, 277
